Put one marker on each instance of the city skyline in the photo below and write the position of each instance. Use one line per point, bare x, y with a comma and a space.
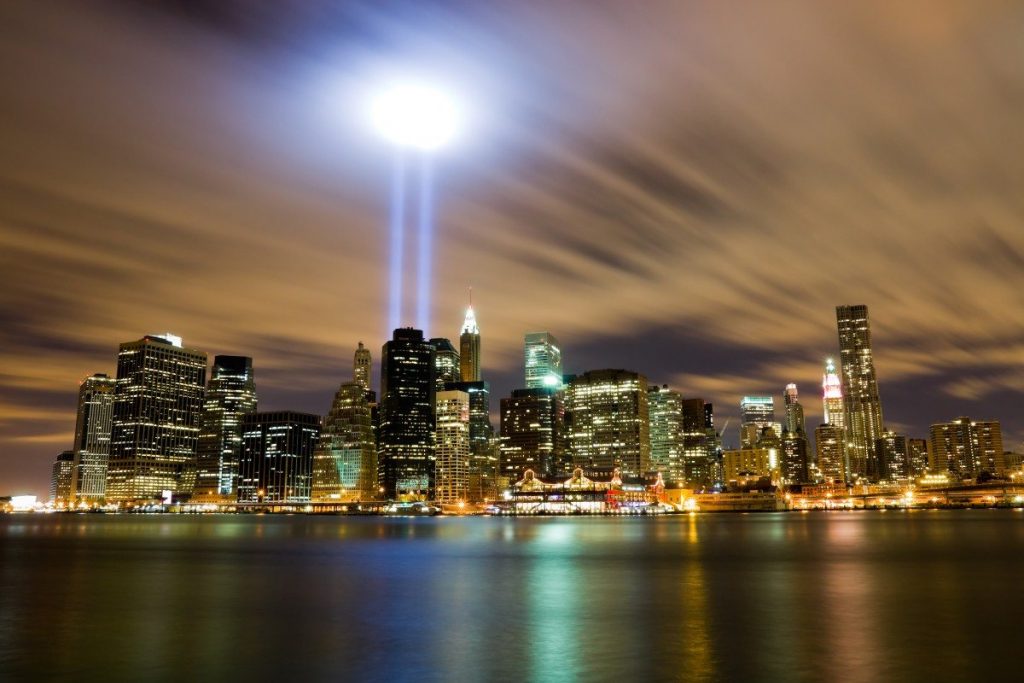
673, 250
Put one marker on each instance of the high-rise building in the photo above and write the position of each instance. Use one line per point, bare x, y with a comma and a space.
531, 433
830, 446
749, 463
893, 456
665, 410
967, 449
862, 406
447, 366
230, 394
543, 360
452, 438
405, 437
60, 479
794, 411
607, 421
917, 456
276, 465
482, 446
362, 364
155, 428
832, 396
92, 438
756, 413
469, 347
793, 457
345, 461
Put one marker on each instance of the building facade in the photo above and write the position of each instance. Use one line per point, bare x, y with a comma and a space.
60, 479
607, 420
793, 459
345, 461
92, 438
862, 406
362, 366
483, 447
543, 360
893, 457
452, 437
830, 452
665, 408
794, 411
230, 395
756, 413
447, 365
531, 433
155, 427
967, 449
276, 465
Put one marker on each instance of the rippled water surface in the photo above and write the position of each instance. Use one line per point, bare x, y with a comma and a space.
858, 596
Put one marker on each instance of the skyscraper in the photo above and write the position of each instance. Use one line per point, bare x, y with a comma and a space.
794, 411
793, 457
893, 457
405, 445
92, 438
917, 456
362, 364
483, 464
452, 437
608, 422
155, 429
757, 413
861, 403
60, 479
345, 461
967, 449
276, 465
543, 360
469, 347
447, 365
830, 445
531, 433
230, 394
665, 410
832, 396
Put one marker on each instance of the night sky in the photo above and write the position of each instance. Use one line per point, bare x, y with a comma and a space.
685, 189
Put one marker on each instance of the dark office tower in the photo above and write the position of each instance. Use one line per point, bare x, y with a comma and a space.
608, 422
276, 465
967, 449
530, 432
362, 364
447, 367
345, 462
861, 405
92, 438
469, 347
483, 464
917, 456
793, 457
893, 458
60, 479
543, 359
830, 444
155, 430
794, 411
696, 447
665, 411
405, 437
230, 394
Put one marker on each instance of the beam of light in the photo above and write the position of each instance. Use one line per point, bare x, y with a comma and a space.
426, 239
411, 115
397, 243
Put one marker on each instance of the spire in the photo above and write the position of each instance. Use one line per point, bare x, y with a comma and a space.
469, 324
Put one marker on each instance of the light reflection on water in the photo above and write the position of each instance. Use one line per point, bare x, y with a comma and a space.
823, 596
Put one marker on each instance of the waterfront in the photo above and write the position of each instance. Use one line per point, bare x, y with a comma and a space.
860, 596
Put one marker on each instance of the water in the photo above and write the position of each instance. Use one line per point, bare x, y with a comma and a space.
847, 596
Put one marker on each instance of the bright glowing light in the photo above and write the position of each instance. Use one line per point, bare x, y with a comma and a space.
416, 116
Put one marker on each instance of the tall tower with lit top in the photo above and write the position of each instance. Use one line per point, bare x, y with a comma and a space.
469, 345
832, 395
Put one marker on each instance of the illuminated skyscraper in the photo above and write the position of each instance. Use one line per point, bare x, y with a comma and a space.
531, 433
60, 479
230, 394
830, 444
794, 411
757, 413
92, 438
345, 461
608, 422
967, 449
543, 360
469, 347
793, 457
276, 465
482, 446
155, 429
447, 365
405, 437
452, 437
665, 408
362, 364
832, 396
893, 458
861, 403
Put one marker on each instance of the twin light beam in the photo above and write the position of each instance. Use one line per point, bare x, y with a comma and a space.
419, 118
